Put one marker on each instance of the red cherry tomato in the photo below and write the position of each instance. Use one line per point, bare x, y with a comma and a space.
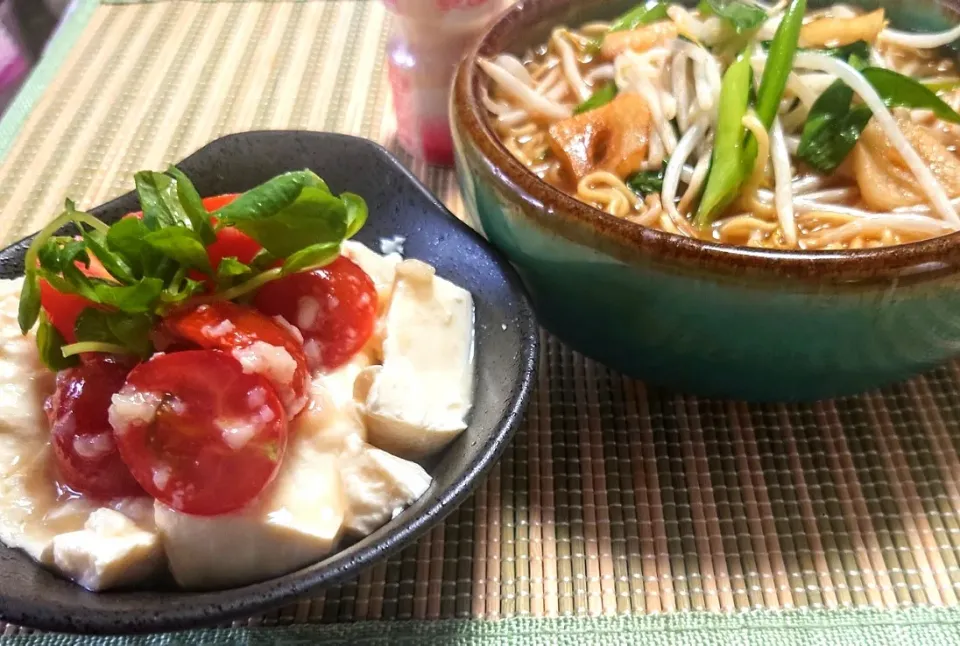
198, 433
215, 202
63, 309
83, 442
230, 241
334, 307
262, 345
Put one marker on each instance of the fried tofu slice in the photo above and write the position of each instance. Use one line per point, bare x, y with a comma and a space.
640, 39
613, 137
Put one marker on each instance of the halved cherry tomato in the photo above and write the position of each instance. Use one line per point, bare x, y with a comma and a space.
63, 309
215, 202
198, 433
83, 442
334, 307
230, 242
262, 345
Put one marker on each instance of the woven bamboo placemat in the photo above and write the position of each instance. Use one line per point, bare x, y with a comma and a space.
615, 499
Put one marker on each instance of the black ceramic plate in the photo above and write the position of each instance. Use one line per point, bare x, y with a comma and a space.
506, 353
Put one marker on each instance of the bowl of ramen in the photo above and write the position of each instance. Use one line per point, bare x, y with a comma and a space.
737, 199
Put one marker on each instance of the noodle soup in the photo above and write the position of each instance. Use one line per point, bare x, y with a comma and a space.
742, 123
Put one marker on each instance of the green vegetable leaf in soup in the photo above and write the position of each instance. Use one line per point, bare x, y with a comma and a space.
600, 97
740, 15
644, 183
858, 50
642, 14
898, 90
832, 128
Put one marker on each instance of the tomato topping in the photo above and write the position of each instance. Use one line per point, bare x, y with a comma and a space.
63, 309
234, 243
82, 440
198, 433
262, 345
215, 202
335, 308
230, 242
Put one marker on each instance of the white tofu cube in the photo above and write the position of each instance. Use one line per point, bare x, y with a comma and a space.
110, 551
377, 485
296, 521
419, 399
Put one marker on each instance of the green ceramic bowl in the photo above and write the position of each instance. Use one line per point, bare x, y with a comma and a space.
700, 317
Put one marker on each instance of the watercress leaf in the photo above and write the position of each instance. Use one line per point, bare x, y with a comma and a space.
314, 217
642, 14
182, 289
832, 128
263, 260
644, 183
49, 344
79, 281
740, 15
600, 97
60, 252
356, 212
157, 194
130, 331
230, 267
181, 244
126, 237
138, 298
192, 205
313, 256
113, 262
269, 198
29, 306
902, 91
59, 283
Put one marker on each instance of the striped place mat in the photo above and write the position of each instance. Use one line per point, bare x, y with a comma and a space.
615, 498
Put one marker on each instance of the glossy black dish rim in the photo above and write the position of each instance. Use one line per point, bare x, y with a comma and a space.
233, 603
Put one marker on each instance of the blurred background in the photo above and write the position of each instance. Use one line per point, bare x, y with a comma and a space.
25, 28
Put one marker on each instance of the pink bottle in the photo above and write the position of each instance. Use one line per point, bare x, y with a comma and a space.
429, 38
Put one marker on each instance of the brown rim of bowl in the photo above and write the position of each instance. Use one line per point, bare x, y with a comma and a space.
938, 256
